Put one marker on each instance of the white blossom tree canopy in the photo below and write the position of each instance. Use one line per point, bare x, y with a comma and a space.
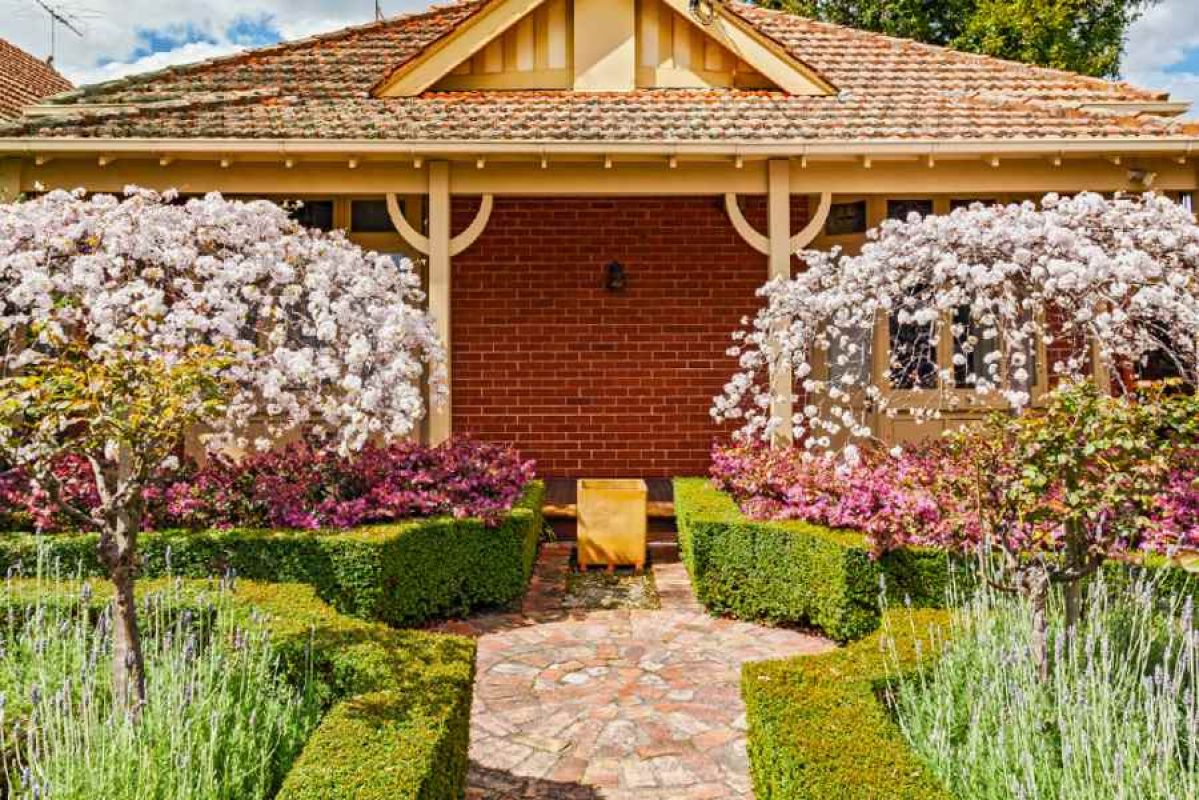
1095, 283
311, 330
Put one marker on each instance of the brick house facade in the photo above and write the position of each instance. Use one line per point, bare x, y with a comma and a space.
589, 381
518, 147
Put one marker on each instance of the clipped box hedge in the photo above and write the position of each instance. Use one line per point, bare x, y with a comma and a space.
398, 702
402, 574
794, 572
818, 730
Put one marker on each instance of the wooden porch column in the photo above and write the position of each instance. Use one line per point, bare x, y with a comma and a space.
440, 417
779, 233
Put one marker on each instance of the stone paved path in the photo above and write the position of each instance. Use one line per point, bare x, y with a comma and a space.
624, 704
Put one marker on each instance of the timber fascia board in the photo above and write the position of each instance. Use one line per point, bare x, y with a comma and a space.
880, 148
444, 55
758, 50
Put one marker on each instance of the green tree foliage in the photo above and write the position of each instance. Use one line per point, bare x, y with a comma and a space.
1085, 36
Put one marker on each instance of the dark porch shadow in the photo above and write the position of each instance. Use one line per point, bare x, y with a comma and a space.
485, 783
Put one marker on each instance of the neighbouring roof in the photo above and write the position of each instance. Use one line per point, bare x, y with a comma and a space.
24, 80
320, 88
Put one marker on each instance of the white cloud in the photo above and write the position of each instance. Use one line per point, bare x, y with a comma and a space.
114, 44
1163, 50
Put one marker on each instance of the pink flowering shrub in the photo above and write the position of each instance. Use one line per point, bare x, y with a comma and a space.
891, 500
1127, 470
301, 486
1176, 516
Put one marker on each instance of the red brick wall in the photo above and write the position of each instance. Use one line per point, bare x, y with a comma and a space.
586, 381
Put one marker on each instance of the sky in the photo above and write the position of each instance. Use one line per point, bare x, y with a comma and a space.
128, 36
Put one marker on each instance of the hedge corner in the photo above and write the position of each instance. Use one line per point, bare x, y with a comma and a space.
818, 729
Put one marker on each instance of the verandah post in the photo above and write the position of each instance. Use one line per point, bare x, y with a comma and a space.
440, 417
779, 230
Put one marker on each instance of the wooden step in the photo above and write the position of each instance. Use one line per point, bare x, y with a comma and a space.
654, 510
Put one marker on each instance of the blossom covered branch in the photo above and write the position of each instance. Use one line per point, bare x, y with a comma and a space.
1098, 283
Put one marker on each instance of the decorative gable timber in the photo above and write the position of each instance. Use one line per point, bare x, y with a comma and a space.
535, 53
602, 46
674, 52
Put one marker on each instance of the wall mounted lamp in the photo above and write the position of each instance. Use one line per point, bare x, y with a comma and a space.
615, 278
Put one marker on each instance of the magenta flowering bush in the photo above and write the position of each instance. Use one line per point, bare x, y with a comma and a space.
890, 499
986, 482
1176, 518
303, 485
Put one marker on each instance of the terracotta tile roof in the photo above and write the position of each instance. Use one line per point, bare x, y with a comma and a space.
24, 80
321, 88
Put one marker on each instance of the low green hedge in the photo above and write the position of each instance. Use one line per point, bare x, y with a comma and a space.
398, 719
402, 574
794, 572
818, 730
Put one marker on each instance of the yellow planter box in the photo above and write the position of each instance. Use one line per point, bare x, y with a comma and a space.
612, 523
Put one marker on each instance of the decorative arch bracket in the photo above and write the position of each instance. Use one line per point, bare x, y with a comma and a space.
458, 244
760, 242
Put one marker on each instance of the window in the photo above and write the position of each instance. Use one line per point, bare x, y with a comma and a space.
845, 219
317, 214
976, 352
913, 353
901, 209
852, 359
370, 216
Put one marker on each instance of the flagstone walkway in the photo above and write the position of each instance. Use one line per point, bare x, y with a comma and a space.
621, 704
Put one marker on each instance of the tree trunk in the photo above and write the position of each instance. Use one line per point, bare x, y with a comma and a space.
128, 663
1038, 594
118, 552
1076, 556
1072, 591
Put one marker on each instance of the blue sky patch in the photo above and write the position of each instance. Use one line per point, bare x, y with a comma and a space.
256, 31
172, 37
1188, 64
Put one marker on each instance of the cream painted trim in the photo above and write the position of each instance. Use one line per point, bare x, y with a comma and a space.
443, 56
10, 179
415, 239
815, 148
778, 204
441, 417
740, 224
760, 52
815, 225
715, 177
761, 243
462, 242
458, 244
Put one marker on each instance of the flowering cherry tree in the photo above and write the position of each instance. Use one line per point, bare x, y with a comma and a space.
1102, 284
127, 322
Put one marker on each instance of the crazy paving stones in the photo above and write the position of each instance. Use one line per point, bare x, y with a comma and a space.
614, 703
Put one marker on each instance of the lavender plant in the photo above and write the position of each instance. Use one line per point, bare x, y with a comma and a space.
1117, 720
221, 721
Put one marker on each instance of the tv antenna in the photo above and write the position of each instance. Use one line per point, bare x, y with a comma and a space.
58, 17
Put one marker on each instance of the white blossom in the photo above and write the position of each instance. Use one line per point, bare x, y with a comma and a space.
1110, 280
319, 331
